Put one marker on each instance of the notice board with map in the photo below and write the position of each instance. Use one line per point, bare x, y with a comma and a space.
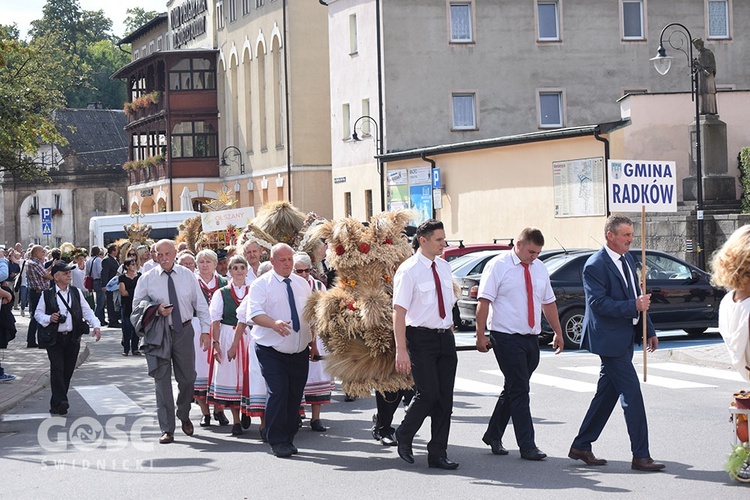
579, 187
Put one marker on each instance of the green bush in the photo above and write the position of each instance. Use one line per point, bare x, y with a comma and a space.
745, 179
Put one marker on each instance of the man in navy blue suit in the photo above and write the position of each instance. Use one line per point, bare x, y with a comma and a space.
615, 309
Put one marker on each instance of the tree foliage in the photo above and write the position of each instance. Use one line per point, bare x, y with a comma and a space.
33, 81
137, 17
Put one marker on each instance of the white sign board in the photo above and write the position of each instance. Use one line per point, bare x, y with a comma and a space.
220, 220
579, 187
637, 183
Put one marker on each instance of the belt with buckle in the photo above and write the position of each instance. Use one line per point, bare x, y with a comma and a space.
430, 330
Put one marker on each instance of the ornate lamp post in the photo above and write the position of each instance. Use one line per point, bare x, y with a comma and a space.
680, 39
378, 150
236, 157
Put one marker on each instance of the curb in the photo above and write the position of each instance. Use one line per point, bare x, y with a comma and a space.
685, 356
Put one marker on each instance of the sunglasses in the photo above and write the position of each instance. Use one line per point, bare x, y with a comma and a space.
303, 271
238, 268
132, 254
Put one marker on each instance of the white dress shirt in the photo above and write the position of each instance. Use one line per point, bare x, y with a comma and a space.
268, 295
41, 316
504, 285
153, 286
414, 289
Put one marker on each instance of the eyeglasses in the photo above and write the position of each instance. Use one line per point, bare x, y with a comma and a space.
132, 254
238, 267
303, 271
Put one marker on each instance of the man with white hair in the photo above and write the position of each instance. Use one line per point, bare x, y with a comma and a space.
282, 337
159, 286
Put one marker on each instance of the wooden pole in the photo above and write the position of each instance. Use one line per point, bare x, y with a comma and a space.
644, 272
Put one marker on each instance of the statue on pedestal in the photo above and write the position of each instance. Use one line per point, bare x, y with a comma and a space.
705, 69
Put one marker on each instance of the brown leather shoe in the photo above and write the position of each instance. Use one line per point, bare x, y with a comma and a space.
646, 464
166, 438
586, 456
187, 427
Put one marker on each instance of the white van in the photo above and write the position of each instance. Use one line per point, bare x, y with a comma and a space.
110, 228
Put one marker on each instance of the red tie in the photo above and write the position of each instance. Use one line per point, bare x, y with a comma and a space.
529, 293
441, 306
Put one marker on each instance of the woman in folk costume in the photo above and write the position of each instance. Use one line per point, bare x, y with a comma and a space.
226, 381
209, 283
319, 383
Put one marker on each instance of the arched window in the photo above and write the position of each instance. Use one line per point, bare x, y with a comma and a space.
277, 88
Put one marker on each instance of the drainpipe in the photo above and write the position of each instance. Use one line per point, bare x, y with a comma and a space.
286, 103
432, 167
381, 124
598, 137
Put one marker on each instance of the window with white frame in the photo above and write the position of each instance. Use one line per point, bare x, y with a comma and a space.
232, 11
550, 109
219, 15
718, 18
346, 120
151, 47
258, 4
548, 18
347, 204
632, 20
246, 6
461, 25
352, 33
365, 112
464, 111
158, 44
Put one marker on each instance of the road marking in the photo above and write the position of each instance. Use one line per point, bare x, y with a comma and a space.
25, 416
698, 370
552, 381
668, 383
467, 385
108, 400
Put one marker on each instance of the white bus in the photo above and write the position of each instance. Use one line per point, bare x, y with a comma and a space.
110, 228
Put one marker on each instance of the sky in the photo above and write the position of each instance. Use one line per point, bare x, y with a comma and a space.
22, 12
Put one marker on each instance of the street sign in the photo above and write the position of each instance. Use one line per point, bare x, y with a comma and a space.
46, 214
436, 184
46, 228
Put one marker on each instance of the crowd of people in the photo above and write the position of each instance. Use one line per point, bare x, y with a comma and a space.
237, 338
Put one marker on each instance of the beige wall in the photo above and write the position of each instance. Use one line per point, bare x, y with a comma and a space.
495, 193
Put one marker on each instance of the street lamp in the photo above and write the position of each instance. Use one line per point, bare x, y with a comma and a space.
236, 157
678, 39
378, 150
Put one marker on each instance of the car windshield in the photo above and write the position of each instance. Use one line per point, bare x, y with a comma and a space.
460, 261
556, 262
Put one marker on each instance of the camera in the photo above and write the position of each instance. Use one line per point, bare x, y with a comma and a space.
62, 318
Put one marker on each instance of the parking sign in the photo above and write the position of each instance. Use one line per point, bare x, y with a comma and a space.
46, 213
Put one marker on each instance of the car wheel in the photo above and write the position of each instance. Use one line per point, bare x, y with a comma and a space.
572, 328
695, 331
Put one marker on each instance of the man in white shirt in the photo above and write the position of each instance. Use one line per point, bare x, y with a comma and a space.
422, 325
161, 286
284, 345
516, 287
68, 308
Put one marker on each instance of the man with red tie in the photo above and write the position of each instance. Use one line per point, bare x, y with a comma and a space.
425, 347
513, 292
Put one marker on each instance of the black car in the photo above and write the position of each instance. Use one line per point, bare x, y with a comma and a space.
682, 296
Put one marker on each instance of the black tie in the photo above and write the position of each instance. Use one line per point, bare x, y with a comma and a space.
176, 316
626, 270
292, 304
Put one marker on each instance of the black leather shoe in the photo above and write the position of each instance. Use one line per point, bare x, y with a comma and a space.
375, 430
281, 450
586, 456
496, 445
221, 418
404, 451
388, 440
442, 463
646, 464
205, 421
62, 408
292, 448
245, 421
237, 430
318, 426
263, 435
533, 454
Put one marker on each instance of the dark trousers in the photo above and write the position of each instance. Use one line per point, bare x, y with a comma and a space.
34, 297
518, 357
100, 299
129, 338
433, 366
62, 362
183, 360
285, 375
618, 380
387, 404
113, 315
